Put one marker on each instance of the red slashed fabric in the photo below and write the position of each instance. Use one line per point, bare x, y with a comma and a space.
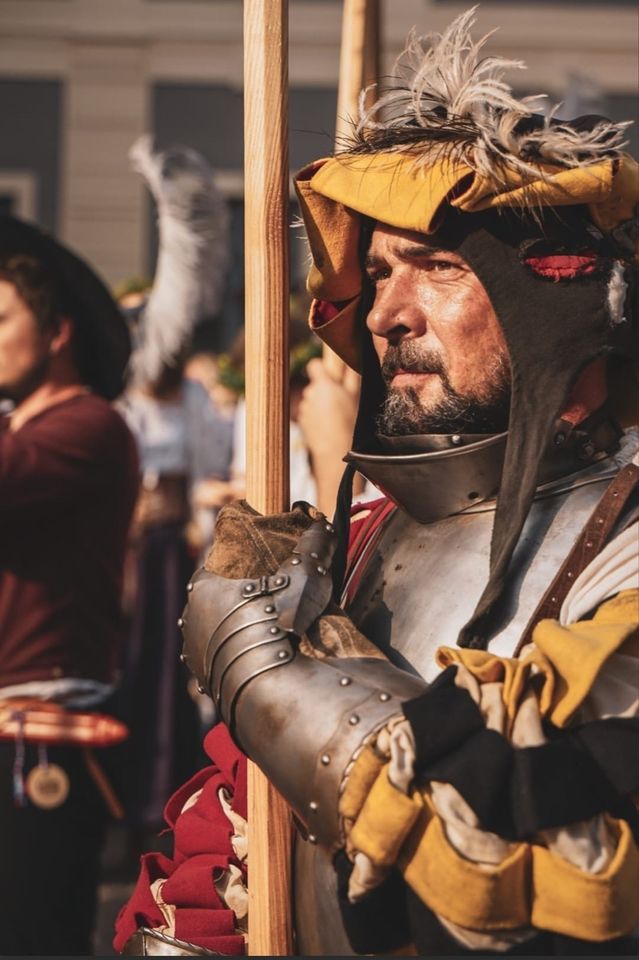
202, 835
360, 514
202, 849
564, 266
191, 888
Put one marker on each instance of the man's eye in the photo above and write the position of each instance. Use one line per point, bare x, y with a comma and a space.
378, 275
441, 265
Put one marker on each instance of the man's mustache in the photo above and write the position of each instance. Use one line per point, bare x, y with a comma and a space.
408, 358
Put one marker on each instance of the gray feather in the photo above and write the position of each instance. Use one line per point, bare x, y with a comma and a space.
193, 256
448, 101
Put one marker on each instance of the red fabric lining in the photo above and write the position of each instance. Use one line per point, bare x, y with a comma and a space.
361, 537
564, 266
356, 525
323, 311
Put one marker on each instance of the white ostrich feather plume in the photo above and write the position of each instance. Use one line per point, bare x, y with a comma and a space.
447, 100
193, 256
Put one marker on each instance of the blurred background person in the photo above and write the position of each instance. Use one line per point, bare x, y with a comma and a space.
181, 438
326, 418
203, 368
68, 482
322, 410
304, 347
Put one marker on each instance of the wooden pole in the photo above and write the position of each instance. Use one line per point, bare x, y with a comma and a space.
358, 68
266, 176
358, 63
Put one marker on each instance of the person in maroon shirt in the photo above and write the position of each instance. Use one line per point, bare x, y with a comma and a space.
68, 483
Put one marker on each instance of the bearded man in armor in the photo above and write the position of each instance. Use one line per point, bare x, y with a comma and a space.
450, 704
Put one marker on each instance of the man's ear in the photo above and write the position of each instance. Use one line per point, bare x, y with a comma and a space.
62, 336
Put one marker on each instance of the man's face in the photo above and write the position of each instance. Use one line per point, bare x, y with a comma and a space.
442, 351
24, 347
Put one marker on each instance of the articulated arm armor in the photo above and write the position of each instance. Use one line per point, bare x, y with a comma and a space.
302, 720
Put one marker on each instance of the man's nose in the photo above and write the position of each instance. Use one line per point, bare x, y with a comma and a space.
395, 315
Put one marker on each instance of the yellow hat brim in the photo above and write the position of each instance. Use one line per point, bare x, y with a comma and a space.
396, 189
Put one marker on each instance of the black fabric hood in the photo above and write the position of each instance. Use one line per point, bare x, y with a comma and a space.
553, 329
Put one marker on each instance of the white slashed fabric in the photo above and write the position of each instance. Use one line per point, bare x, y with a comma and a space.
615, 569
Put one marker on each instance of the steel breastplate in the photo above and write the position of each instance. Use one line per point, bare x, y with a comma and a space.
417, 586
449, 559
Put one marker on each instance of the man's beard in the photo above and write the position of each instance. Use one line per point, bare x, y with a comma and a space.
403, 414
20, 389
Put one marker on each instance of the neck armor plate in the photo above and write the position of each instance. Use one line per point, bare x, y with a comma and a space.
438, 475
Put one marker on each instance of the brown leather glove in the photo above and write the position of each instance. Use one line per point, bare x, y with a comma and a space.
248, 544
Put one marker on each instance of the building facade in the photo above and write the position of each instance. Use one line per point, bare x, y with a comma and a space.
81, 79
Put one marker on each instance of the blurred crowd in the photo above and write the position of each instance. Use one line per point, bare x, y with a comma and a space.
190, 429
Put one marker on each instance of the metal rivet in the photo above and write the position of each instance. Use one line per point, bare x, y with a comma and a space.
321, 570
345, 681
615, 493
560, 438
249, 588
325, 759
329, 527
200, 688
282, 655
589, 543
183, 657
384, 697
279, 581
314, 805
295, 561
553, 599
600, 520
189, 587
456, 439
570, 575
314, 556
274, 630
269, 609
181, 622
353, 719
312, 838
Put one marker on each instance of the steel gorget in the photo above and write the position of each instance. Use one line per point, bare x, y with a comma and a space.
437, 475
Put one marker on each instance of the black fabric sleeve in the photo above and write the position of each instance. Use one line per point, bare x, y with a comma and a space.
379, 922
516, 792
442, 718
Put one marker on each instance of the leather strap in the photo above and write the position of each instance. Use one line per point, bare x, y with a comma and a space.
102, 782
592, 539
